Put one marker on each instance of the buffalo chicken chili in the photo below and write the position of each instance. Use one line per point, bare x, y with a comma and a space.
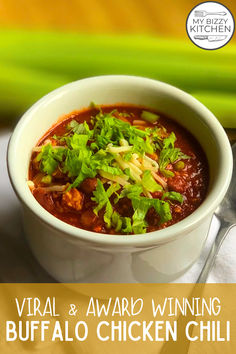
118, 170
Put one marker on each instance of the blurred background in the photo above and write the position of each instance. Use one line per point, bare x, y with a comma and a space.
45, 44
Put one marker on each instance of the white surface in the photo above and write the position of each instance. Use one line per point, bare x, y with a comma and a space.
18, 265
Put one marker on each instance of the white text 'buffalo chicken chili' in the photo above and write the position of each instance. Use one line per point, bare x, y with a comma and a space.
119, 170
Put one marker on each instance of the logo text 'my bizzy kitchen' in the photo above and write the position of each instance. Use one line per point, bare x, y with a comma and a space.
210, 25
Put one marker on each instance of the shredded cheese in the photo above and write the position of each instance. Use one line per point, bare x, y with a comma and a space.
134, 168
160, 180
153, 162
139, 122
121, 180
123, 142
55, 188
147, 193
30, 184
135, 161
118, 149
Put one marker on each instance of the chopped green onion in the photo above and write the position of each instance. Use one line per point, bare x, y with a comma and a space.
150, 117
47, 179
178, 166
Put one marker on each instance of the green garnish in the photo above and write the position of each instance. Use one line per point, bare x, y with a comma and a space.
50, 158
169, 154
121, 223
110, 130
130, 191
79, 128
122, 155
149, 116
173, 196
46, 179
178, 166
149, 183
101, 197
94, 105
141, 206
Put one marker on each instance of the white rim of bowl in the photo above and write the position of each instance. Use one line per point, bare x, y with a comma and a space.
150, 239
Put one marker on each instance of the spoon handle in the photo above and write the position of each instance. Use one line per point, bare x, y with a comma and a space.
182, 346
222, 233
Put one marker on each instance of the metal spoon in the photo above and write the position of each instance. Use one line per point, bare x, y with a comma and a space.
226, 213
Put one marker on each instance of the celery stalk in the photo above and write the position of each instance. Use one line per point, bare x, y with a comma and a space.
76, 56
221, 104
21, 87
35, 62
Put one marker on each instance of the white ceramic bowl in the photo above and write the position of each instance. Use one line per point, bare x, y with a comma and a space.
71, 254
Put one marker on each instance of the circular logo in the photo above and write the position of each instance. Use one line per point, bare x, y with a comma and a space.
210, 25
